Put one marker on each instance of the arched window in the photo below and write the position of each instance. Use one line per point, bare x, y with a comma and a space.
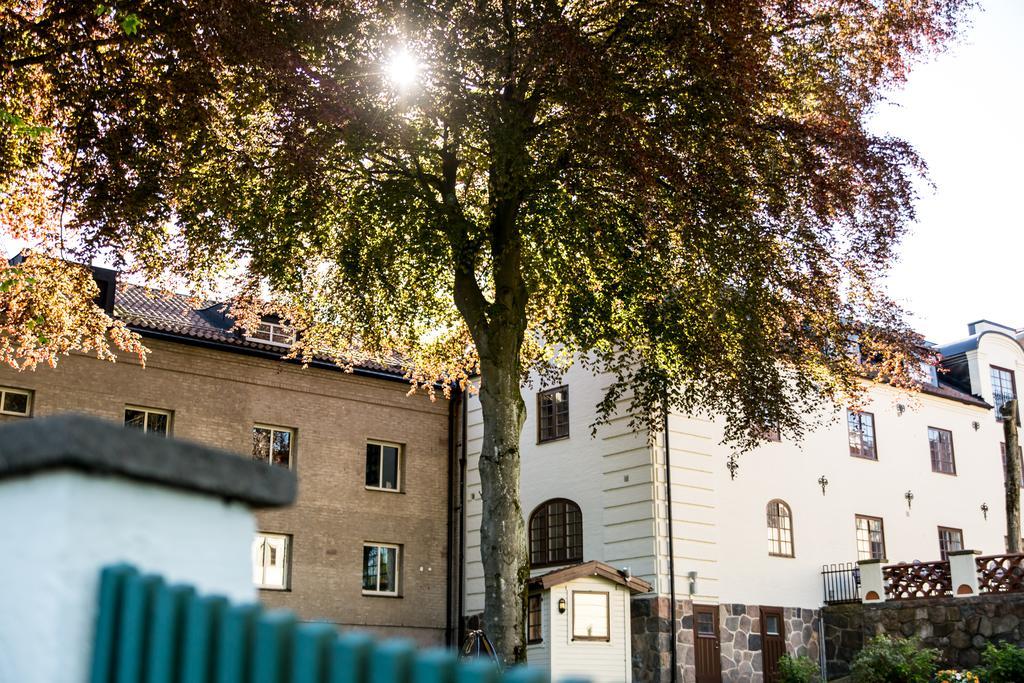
556, 533
780, 529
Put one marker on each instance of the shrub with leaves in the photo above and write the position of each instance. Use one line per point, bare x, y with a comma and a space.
798, 670
1004, 663
894, 660
954, 676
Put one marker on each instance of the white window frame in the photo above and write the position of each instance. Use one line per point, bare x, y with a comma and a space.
274, 334
607, 617
259, 569
291, 443
154, 411
20, 392
398, 571
401, 457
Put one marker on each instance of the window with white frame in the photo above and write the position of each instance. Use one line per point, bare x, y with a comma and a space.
590, 615
273, 333
15, 401
870, 538
780, 529
383, 463
273, 445
270, 561
148, 420
950, 540
380, 569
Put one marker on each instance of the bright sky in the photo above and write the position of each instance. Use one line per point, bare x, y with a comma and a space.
964, 113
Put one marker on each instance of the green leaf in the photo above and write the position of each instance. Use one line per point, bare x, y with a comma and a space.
131, 23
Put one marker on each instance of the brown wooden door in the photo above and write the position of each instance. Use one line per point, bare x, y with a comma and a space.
705, 644
773, 642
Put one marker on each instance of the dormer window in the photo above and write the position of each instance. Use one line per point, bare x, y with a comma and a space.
273, 333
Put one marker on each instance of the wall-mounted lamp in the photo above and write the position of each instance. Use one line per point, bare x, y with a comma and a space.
561, 605
900, 409
823, 482
693, 582
976, 425
732, 464
909, 495
984, 510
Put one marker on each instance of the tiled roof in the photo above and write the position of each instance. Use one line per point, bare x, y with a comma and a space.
155, 311
946, 390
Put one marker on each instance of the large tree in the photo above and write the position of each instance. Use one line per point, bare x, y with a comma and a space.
685, 194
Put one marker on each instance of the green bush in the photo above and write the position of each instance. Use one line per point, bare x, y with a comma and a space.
1003, 663
894, 660
798, 670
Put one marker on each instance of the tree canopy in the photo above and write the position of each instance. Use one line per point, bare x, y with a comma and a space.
687, 192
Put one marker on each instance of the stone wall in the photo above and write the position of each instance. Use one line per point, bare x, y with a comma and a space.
739, 634
958, 627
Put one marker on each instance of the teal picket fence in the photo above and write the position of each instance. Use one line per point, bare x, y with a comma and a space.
150, 631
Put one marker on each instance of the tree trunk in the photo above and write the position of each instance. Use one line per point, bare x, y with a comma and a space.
502, 530
1013, 468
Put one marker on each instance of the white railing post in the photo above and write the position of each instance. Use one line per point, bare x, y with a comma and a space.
963, 571
872, 585
78, 494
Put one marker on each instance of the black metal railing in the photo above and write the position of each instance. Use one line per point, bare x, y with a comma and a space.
841, 583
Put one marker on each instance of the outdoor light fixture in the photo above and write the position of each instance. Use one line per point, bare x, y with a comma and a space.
823, 482
909, 495
900, 409
976, 425
984, 510
693, 582
561, 605
733, 464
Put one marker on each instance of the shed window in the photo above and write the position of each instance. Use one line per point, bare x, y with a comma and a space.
556, 533
590, 615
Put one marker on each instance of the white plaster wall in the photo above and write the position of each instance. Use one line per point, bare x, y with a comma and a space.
61, 527
610, 476
598, 661
824, 527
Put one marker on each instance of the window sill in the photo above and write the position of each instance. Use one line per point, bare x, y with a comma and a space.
864, 457
585, 639
378, 594
784, 557
948, 474
535, 642
9, 414
274, 589
541, 442
383, 489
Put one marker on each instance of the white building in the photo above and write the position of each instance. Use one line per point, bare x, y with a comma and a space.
909, 477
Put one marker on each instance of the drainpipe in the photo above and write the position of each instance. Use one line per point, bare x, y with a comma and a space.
671, 548
453, 559
462, 518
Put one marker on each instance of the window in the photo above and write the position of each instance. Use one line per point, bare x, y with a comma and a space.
772, 625
870, 538
534, 628
590, 615
1004, 388
941, 443
1020, 456
15, 401
382, 465
780, 529
148, 420
950, 539
862, 435
270, 561
380, 569
272, 445
273, 333
556, 533
553, 414
770, 433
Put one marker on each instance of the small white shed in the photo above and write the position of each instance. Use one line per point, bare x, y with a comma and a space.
578, 622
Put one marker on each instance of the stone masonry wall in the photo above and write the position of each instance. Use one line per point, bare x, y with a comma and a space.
959, 627
739, 634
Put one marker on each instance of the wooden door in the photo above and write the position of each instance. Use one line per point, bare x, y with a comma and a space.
705, 644
773, 641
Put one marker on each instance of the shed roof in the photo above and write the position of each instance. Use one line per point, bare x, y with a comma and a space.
591, 568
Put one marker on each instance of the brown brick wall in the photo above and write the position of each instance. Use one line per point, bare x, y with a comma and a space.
217, 396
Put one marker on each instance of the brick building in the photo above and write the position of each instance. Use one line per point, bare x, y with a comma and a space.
373, 521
